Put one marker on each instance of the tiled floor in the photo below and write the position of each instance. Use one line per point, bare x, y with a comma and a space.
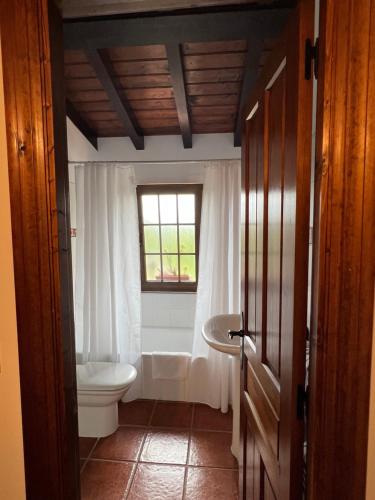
162, 451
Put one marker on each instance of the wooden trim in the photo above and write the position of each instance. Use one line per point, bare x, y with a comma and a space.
197, 190
37, 162
71, 458
253, 55
257, 92
297, 151
344, 260
179, 89
242, 459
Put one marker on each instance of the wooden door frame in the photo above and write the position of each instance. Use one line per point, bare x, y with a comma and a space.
32, 54
344, 257
343, 274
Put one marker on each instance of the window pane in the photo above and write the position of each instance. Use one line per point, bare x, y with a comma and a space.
170, 268
152, 241
153, 272
187, 239
150, 209
187, 268
168, 208
186, 208
169, 239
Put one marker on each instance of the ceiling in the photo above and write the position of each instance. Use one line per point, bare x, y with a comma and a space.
177, 74
88, 8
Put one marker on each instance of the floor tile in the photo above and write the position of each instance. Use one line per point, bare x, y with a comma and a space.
211, 484
208, 418
86, 444
124, 444
211, 449
135, 413
105, 480
157, 482
169, 414
164, 446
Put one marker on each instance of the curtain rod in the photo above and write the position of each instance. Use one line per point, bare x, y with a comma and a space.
148, 162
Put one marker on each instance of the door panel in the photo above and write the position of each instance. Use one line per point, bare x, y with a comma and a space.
251, 235
250, 469
276, 167
268, 492
275, 122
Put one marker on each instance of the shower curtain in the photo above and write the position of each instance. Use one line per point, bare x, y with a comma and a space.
219, 279
107, 284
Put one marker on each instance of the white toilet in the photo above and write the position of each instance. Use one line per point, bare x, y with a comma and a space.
100, 386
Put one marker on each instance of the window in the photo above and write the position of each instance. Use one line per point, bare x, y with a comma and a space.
169, 220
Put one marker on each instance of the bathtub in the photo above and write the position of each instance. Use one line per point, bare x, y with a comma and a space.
163, 339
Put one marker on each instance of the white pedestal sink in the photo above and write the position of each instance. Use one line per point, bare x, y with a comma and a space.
215, 333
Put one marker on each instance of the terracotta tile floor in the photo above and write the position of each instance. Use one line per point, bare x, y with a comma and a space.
162, 451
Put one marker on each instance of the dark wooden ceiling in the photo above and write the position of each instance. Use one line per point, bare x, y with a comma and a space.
87, 8
176, 87
213, 74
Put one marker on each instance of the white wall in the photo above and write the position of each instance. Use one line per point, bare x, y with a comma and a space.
73, 217
159, 310
157, 148
12, 475
174, 314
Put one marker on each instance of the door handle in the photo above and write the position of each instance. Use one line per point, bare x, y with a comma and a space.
236, 333
239, 333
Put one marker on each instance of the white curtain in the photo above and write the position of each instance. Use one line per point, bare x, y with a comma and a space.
219, 279
107, 287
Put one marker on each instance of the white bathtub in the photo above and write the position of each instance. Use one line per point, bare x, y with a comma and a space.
161, 339
158, 339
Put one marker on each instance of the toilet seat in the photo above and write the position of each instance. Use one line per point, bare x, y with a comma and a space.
102, 376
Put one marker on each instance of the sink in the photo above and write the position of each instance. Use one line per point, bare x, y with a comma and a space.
215, 333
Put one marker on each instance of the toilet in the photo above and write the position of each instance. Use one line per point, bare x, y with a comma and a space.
100, 386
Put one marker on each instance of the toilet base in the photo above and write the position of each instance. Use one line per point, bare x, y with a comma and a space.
97, 421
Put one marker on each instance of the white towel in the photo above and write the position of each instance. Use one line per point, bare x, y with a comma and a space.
170, 365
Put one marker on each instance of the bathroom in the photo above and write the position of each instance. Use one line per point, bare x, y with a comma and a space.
159, 201
165, 100
175, 431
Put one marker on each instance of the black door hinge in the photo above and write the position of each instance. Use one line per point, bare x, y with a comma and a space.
311, 58
302, 402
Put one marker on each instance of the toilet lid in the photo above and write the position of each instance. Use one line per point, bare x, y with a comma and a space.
104, 376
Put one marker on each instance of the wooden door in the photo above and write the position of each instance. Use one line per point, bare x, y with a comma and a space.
276, 177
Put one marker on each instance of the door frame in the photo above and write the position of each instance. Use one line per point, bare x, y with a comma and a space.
32, 54
343, 274
39, 195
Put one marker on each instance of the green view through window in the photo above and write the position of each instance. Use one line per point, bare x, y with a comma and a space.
169, 221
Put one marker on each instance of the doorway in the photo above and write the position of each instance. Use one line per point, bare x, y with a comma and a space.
40, 220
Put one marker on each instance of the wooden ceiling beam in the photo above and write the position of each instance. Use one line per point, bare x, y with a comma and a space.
179, 89
81, 124
84, 8
253, 55
173, 29
101, 66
